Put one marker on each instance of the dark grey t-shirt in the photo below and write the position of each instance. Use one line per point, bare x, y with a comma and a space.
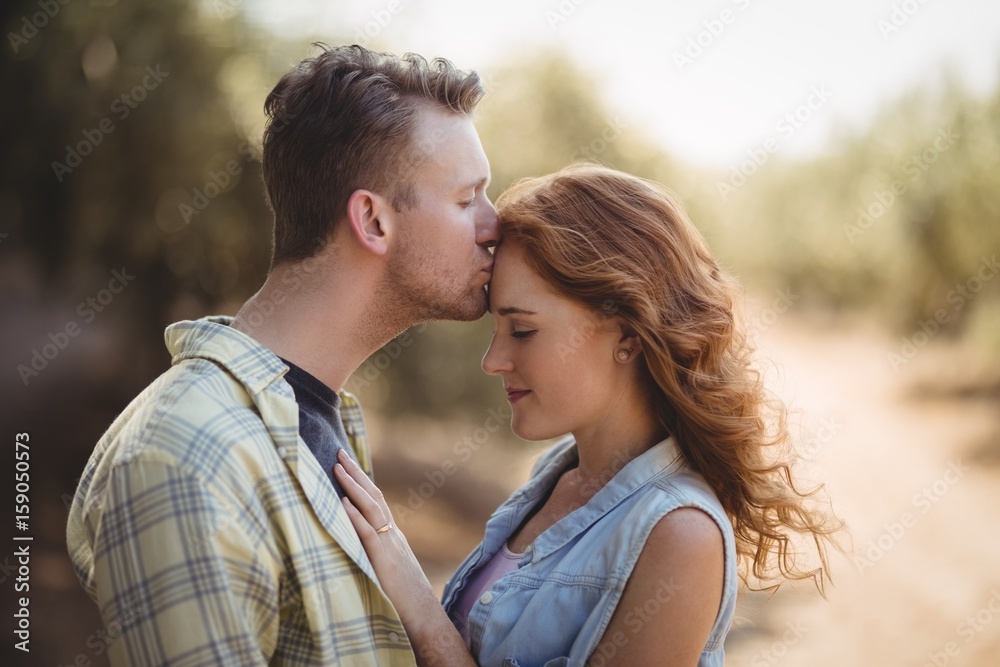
319, 419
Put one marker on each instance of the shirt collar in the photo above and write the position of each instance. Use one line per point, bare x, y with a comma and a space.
259, 369
214, 338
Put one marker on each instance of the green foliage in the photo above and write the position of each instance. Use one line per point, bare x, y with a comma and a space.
113, 118
173, 191
896, 218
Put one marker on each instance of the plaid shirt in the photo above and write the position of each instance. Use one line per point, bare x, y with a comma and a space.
206, 531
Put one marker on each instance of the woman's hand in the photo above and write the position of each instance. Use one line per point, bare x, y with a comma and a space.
395, 565
435, 640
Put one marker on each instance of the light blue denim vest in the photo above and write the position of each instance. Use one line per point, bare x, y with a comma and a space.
553, 610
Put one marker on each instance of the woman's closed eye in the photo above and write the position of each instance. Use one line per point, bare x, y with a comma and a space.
527, 333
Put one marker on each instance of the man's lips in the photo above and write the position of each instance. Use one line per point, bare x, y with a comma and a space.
486, 274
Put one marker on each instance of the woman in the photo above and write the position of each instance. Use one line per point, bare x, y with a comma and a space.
613, 324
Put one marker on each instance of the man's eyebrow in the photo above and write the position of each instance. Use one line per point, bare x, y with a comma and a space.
482, 182
512, 310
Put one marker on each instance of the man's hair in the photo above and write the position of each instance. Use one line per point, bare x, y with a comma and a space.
344, 120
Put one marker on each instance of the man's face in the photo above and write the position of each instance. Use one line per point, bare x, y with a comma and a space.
441, 261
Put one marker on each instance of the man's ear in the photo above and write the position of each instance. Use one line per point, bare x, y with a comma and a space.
369, 218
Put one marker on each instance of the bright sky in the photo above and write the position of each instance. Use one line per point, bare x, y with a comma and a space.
766, 58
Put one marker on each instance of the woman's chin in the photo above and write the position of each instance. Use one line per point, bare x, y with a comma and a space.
532, 432
522, 430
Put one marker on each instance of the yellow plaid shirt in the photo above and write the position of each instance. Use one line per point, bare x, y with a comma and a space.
205, 530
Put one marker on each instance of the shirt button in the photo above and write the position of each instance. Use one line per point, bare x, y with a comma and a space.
282, 451
486, 598
393, 637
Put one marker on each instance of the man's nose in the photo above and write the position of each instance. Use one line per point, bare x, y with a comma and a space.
489, 227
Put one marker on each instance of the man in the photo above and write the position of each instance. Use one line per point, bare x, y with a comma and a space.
207, 523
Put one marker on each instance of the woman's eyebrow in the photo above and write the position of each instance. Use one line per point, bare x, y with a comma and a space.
512, 310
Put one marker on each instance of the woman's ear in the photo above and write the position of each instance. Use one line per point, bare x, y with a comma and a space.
369, 217
629, 343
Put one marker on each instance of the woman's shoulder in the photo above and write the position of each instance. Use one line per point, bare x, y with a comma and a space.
667, 507
685, 487
687, 534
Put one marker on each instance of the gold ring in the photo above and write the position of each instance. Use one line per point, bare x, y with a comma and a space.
384, 529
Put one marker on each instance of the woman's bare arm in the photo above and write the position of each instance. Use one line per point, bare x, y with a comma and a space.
671, 599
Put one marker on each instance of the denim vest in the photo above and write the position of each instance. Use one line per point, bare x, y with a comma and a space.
553, 610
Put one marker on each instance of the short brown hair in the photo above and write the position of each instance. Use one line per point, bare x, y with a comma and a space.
344, 120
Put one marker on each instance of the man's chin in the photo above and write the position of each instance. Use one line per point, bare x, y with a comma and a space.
470, 309
474, 309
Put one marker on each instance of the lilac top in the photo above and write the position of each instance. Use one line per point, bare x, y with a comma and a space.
503, 562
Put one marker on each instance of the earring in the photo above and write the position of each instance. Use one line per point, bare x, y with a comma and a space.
623, 355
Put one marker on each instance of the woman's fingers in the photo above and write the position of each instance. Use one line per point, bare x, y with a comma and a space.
359, 476
396, 567
370, 541
361, 499
360, 523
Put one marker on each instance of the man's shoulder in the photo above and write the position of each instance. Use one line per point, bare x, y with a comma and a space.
198, 394
196, 412
195, 422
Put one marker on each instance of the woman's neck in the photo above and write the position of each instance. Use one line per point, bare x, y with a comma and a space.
608, 447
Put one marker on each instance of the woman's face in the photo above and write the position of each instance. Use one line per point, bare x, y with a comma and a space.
556, 357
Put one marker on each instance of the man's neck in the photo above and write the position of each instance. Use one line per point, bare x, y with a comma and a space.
319, 321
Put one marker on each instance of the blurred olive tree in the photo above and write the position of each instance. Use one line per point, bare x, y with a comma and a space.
900, 218
116, 139
129, 138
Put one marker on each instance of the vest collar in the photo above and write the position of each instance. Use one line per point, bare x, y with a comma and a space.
665, 456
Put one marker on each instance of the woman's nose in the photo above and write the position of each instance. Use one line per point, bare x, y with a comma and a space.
495, 361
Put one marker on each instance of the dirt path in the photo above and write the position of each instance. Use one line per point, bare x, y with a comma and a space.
923, 584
